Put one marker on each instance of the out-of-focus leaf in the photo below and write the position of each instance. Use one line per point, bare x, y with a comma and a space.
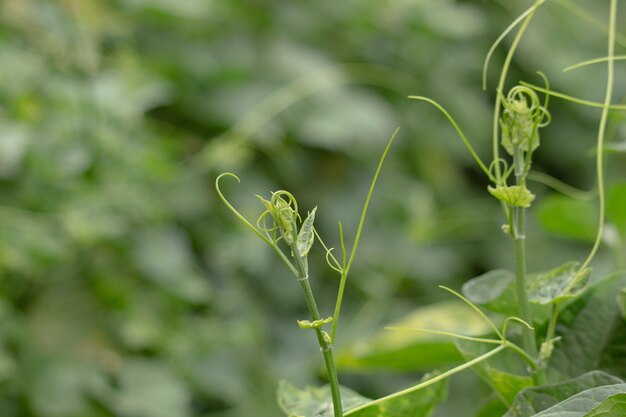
505, 372
314, 401
150, 389
593, 333
613, 406
14, 141
616, 206
494, 290
568, 218
491, 408
533, 400
348, 121
580, 404
562, 283
164, 256
420, 403
317, 402
405, 349
621, 302
62, 389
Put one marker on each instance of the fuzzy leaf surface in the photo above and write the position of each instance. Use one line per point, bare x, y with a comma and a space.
405, 350
420, 403
584, 402
533, 400
611, 407
314, 401
559, 284
505, 372
317, 402
593, 333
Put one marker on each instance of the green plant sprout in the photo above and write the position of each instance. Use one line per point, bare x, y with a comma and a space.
519, 115
282, 208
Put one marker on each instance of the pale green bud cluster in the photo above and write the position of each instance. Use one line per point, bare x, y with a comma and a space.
519, 127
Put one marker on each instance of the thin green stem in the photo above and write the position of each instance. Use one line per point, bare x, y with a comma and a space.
594, 61
449, 334
502, 36
606, 105
357, 238
325, 345
430, 381
456, 126
476, 309
560, 186
520, 279
554, 315
601, 134
519, 242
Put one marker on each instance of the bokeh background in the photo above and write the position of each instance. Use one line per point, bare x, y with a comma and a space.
127, 289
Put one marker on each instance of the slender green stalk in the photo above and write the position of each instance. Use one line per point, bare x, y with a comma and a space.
346, 266
601, 134
519, 242
325, 344
554, 315
589, 103
594, 61
430, 381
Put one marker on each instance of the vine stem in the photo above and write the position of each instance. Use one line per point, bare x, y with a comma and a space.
430, 381
519, 242
325, 345
601, 134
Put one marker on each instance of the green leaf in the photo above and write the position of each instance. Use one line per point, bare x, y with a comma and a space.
505, 372
559, 284
513, 195
568, 218
150, 389
593, 333
317, 401
611, 407
314, 401
621, 301
494, 290
63, 388
616, 206
580, 404
165, 257
414, 350
536, 399
306, 235
420, 403
491, 408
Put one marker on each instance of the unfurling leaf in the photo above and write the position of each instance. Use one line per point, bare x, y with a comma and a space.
306, 235
315, 324
513, 195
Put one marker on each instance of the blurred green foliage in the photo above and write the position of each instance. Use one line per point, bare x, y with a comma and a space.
127, 290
